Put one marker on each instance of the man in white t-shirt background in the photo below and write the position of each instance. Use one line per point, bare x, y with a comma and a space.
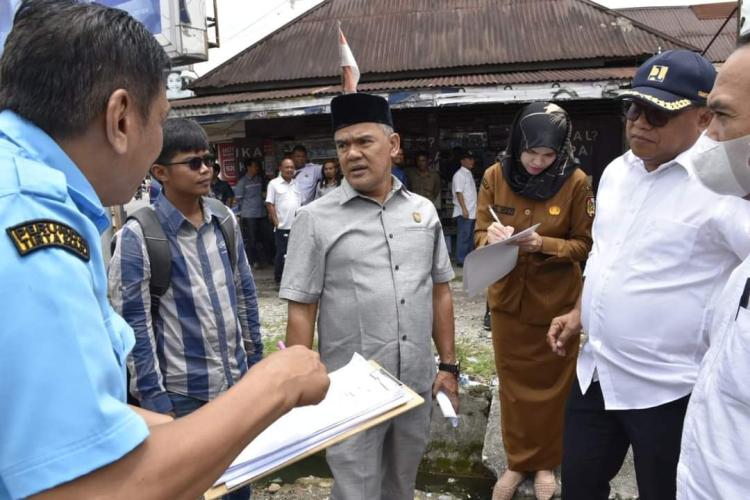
464, 206
282, 201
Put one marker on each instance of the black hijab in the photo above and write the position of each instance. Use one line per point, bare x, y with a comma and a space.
540, 124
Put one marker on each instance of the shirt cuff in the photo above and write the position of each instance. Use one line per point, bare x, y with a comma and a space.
159, 403
298, 295
551, 246
443, 276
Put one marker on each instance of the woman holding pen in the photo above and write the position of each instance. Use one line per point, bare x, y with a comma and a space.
536, 180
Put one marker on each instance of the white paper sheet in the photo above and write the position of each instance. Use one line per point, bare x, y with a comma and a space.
490, 263
358, 392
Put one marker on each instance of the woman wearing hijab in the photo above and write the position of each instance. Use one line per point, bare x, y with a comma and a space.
536, 180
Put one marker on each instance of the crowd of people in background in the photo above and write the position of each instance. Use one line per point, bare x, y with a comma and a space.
265, 203
649, 352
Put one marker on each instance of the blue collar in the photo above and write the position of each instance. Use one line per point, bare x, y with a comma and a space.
41, 147
174, 218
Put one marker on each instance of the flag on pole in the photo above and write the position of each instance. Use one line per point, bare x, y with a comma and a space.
349, 68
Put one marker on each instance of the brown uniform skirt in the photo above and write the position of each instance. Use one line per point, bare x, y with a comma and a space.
534, 385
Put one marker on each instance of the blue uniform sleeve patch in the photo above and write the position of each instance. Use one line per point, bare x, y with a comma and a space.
37, 234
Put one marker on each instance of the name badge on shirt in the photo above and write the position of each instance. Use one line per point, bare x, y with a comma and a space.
505, 210
37, 234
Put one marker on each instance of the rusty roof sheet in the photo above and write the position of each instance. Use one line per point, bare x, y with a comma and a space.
523, 77
406, 37
695, 25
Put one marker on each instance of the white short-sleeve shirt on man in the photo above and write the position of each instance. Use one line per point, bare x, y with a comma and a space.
286, 199
463, 182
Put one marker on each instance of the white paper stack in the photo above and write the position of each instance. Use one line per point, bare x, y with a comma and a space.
358, 392
490, 263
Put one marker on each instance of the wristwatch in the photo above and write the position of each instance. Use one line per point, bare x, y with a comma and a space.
447, 367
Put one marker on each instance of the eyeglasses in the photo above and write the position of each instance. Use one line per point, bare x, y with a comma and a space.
655, 117
195, 163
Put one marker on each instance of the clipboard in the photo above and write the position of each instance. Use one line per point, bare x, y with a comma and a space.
414, 400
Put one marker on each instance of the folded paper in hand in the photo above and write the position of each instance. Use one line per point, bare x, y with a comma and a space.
490, 263
447, 408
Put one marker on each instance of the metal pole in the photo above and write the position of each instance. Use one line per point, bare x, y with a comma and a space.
719, 32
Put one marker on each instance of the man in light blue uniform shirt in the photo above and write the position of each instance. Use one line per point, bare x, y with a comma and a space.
78, 129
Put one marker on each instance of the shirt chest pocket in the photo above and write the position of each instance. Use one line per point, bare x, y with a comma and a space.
733, 362
416, 248
662, 248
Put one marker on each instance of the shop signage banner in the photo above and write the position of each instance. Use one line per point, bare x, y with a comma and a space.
228, 161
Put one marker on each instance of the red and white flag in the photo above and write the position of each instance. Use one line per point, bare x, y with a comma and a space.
349, 68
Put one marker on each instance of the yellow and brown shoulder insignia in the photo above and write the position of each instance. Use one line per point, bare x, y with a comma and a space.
42, 233
590, 206
485, 184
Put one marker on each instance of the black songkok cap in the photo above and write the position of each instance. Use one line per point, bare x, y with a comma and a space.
350, 109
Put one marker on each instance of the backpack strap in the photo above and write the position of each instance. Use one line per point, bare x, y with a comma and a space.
159, 254
226, 223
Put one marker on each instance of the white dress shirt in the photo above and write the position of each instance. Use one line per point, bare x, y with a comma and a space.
715, 452
286, 199
664, 245
463, 182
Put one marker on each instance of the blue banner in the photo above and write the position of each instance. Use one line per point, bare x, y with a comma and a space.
146, 11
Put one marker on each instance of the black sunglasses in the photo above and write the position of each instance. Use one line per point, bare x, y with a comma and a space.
656, 117
195, 163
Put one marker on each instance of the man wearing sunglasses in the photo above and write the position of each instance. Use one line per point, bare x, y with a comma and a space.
663, 246
203, 333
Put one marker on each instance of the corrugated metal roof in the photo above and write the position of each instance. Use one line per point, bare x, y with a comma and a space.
402, 36
695, 25
523, 77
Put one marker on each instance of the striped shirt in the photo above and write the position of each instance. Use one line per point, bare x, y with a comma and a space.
207, 330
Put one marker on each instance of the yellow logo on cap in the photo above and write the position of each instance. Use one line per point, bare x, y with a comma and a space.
658, 73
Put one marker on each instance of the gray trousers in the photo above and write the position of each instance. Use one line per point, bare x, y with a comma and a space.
382, 462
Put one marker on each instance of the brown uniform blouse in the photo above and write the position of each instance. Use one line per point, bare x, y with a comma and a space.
547, 283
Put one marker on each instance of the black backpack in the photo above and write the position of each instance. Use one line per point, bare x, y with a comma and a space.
157, 246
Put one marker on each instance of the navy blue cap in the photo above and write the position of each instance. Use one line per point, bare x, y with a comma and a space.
673, 80
350, 109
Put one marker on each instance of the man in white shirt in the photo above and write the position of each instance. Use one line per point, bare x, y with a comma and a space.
663, 246
716, 438
282, 201
464, 206
307, 175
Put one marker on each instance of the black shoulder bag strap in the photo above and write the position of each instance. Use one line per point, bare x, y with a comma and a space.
227, 227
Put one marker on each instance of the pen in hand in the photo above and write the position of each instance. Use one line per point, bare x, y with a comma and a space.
281, 345
494, 215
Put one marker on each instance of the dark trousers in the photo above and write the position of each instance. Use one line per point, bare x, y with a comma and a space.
595, 442
282, 238
185, 405
464, 238
252, 237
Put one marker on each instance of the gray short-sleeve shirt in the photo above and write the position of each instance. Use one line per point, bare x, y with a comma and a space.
372, 268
